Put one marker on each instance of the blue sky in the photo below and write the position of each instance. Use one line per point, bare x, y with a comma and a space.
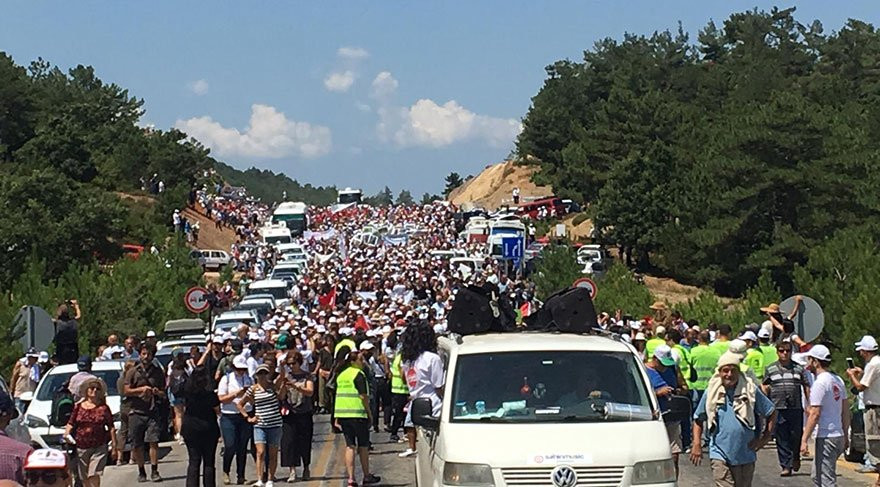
362, 94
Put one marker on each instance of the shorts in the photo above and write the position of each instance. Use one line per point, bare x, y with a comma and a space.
268, 436
174, 400
356, 432
673, 431
143, 429
91, 461
407, 422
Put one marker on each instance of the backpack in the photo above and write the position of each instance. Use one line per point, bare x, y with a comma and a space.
62, 407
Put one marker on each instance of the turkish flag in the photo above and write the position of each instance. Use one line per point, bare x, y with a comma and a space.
328, 300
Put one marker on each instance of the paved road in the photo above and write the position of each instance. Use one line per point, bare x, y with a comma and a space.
329, 470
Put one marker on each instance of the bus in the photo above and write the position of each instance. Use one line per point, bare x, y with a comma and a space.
294, 214
348, 196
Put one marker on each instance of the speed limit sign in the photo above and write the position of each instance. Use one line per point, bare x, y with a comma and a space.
196, 299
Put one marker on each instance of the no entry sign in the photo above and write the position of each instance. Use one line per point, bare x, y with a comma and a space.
588, 283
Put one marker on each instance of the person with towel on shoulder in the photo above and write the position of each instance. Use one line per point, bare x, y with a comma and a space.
729, 410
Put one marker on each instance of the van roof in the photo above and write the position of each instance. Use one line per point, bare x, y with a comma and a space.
267, 283
538, 341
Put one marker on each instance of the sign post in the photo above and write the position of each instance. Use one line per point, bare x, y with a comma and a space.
809, 319
512, 248
196, 299
586, 282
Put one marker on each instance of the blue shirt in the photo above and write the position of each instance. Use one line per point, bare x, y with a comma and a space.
729, 439
658, 382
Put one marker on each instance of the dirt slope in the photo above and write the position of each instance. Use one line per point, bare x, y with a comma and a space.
493, 187
210, 237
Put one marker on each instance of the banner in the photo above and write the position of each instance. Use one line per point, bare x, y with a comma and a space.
325, 235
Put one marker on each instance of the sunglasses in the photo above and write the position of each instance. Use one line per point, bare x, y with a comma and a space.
47, 476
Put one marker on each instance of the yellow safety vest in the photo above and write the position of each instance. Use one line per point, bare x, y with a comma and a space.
770, 355
398, 385
721, 347
755, 361
652, 345
704, 358
345, 342
348, 402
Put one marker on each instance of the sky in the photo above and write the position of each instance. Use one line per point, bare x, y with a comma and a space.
360, 94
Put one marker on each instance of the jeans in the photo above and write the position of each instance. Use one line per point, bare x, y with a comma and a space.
398, 402
236, 433
201, 450
788, 433
383, 401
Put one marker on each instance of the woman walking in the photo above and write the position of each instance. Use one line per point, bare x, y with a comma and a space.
352, 414
267, 420
176, 376
199, 426
91, 424
298, 428
236, 429
423, 372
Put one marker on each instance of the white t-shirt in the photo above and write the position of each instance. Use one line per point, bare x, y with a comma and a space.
828, 391
871, 380
230, 383
424, 376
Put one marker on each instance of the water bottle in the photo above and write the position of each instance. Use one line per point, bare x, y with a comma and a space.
481, 407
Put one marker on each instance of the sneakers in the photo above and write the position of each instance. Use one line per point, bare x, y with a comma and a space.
866, 469
258, 483
394, 438
371, 479
292, 478
785, 472
269, 483
142, 477
155, 477
408, 453
307, 474
226, 480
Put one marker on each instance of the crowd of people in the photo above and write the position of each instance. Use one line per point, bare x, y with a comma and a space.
355, 338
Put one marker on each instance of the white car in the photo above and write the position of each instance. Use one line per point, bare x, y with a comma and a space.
583, 402
231, 319
36, 417
211, 259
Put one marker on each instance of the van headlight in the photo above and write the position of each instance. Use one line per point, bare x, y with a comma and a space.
654, 472
467, 474
32, 421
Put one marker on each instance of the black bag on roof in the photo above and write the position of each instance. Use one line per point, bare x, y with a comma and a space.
479, 310
569, 310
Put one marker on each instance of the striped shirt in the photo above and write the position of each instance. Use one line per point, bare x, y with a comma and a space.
786, 383
266, 407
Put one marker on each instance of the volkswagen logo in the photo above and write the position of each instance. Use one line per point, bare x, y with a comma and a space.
564, 476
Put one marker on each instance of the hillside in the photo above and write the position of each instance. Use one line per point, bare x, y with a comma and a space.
268, 186
210, 237
492, 187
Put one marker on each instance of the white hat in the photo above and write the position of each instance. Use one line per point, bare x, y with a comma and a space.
151, 334
763, 333
660, 330
239, 362
640, 336
749, 335
767, 325
635, 325
664, 354
366, 345
820, 352
867, 343
346, 331
729, 358
44, 357
217, 339
386, 329
799, 358
46, 459
737, 346
321, 329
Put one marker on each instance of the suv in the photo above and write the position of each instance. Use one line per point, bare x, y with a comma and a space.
211, 259
584, 404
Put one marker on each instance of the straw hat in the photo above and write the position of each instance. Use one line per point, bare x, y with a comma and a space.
658, 306
771, 308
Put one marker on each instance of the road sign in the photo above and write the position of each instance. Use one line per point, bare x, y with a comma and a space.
512, 248
196, 299
809, 320
36, 327
587, 283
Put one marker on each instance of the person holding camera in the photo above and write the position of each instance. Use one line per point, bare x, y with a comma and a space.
66, 332
145, 389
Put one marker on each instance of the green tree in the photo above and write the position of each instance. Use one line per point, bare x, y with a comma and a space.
557, 270
404, 198
453, 180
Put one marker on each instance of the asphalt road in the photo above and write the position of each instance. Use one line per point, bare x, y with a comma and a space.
328, 468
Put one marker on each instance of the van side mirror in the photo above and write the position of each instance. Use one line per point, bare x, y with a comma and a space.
423, 414
679, 409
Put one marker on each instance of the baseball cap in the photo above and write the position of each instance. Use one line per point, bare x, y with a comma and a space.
239, 362
261, 369
664, 354
281, 341
46, 459
660, 330
867, 343
763, 333
151, 334
749, 335
819, 352
32, 352
84, 362
366, 345
44, 357
639, 336
217, 339
7, 405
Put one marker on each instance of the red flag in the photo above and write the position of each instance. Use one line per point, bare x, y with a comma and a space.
328, 300
526, 309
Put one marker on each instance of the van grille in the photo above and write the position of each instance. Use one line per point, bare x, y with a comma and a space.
540, 476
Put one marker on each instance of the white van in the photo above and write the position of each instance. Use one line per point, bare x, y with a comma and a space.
276, 287
542, 409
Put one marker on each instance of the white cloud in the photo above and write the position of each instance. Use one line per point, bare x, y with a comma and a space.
269, 134
426, 123
363, 107
199, 87
339, 82
384, 85
353, 53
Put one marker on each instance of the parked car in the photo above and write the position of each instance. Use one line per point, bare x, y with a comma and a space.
211, 259
263, 306
40, 408
230, 319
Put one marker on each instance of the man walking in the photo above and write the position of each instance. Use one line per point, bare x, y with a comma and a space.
867, 381
145, 388
829, 416
729, 410
783, 382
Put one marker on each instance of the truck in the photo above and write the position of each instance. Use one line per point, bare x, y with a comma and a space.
277, 233
294, 214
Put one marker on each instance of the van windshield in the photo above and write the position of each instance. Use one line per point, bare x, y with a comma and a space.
548, 386
279, 292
